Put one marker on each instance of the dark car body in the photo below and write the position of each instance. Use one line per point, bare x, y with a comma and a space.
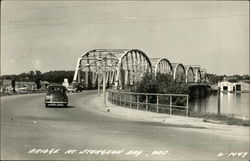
56, 94
74, 89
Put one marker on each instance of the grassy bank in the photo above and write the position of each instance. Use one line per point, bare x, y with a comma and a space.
221, 119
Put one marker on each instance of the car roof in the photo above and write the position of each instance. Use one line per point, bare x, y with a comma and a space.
57, 86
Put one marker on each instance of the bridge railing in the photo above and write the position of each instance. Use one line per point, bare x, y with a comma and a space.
160, 103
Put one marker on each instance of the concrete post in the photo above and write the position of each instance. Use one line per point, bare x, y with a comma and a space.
187, 107
137, 101
116, 100
98, 81
130, 100
157, 103
120, 98
170, 108
218, 97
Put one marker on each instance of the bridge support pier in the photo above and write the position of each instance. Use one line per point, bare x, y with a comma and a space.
195, 91
199, 90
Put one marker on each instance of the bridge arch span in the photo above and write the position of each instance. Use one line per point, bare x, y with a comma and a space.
179, 72
164, 66
131, 67
89, 65
190, 75
198, 76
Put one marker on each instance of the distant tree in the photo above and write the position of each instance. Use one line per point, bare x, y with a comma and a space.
38, 73
32, 73
162, 83
13, 84
58, 76
38, 83
215, 78
168, 85
246, 77
148, 84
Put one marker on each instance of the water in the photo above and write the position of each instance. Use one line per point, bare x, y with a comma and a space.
236, 104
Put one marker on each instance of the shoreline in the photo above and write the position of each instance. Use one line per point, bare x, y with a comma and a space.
187, 123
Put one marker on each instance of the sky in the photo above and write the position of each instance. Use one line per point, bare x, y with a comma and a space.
51, 35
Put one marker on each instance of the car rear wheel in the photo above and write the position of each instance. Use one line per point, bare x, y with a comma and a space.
46, 105
65, 105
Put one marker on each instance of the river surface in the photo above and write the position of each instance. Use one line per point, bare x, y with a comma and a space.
236, 104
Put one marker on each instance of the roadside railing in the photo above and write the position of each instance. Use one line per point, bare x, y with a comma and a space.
160, 103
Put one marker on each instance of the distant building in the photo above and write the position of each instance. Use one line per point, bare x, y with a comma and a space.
66, 83
31, 85
5, 82
6, 85
44, 84
226, 86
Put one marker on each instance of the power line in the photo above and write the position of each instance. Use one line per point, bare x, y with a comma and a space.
88, 5
133, 21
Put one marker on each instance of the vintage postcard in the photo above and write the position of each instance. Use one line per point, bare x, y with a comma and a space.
125, 80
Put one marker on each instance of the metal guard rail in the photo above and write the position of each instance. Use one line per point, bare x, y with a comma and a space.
115, 97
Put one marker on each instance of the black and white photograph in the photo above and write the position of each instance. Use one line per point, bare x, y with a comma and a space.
125, 80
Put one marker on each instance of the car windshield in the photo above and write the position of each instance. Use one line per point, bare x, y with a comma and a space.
56, 89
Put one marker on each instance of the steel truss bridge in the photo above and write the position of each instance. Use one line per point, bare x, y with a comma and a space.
125, 67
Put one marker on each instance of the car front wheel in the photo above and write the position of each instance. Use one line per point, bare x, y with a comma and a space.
46, 105
65, 105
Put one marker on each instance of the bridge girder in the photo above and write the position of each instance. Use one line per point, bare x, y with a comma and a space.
125, 67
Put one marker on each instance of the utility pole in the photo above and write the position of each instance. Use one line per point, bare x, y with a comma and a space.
218, 102
99, 93
104, 81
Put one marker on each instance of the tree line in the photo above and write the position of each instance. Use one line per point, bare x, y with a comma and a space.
59, 75
51, 76
213, 78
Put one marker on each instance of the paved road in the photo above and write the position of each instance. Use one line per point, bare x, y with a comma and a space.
26, 125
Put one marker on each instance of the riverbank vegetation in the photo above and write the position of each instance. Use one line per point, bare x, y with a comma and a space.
214, 79
162, 83
165, 84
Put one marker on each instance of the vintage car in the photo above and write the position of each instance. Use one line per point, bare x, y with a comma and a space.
74, 89
56, 94
71, 89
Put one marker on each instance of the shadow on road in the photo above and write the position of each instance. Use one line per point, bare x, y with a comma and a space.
56, 106
170, 125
